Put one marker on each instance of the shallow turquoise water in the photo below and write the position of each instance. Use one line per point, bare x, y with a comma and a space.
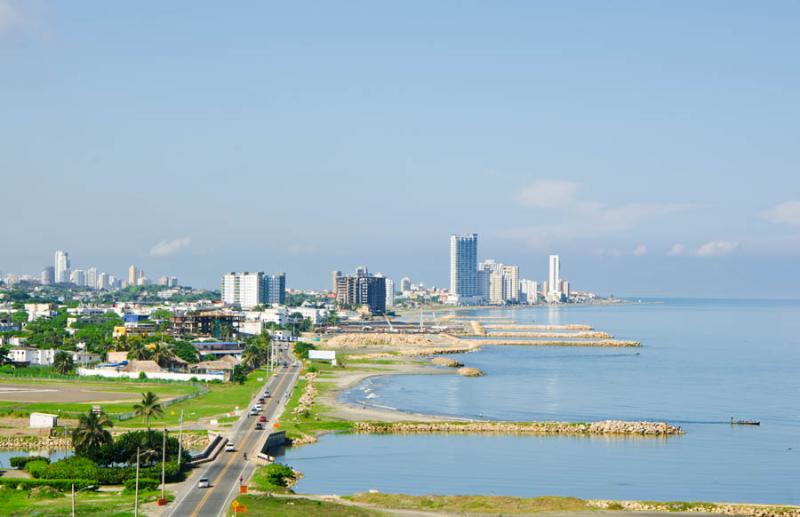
701, 363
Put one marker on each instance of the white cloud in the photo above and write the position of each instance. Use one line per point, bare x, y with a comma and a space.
717, 248
676, 250
784, 213
640, 250
548, 193
170, 247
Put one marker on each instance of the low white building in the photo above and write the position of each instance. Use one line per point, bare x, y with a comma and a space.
32, 356
43, 421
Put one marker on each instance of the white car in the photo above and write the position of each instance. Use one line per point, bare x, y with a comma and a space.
253, 411
203, 483
258, 407
230, 447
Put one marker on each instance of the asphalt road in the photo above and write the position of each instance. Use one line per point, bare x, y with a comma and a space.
225, 471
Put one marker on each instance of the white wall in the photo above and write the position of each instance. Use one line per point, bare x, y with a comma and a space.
110, 373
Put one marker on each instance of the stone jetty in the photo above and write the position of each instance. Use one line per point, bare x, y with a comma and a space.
575, 342
470, 372
585, 334
604, 428
747, 510
446, 361
539, 327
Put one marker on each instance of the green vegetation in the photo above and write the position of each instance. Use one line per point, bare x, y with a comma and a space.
150, 407
312, 421
19, 462
302, 349
274, 477
494, 505
299, 507
91, 433
34, 502
63, 363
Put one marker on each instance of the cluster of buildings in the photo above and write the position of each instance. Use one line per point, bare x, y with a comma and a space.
62, 272
247, 290
491, 282
375, 293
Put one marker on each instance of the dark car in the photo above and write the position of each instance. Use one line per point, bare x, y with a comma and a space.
259, 426
261, 400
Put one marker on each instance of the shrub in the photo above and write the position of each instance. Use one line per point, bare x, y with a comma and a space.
301, 349
45, 492
142, 376
35, 468
60, 484
76, 467
279, 475
112, 475
19, 462
144, 484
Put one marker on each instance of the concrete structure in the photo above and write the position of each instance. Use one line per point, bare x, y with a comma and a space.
48, 276
78, 277
554, 279
171, 376
244, 290
43, 421
103, 281
405, 284
133, 275
334, 278
362, 290
62, 266
389, 293
275, 289
528, 292
464, 268
91, 277
32, 356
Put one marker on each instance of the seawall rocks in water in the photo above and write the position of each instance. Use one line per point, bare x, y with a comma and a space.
718, 508
446, 361
607, 427
470, 372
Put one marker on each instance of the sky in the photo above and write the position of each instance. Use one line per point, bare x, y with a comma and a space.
653, 145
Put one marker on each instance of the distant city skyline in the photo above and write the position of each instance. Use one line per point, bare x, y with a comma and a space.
654, 165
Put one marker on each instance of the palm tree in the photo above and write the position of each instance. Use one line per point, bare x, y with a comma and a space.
150, 407
162, 354
63, 363
91, 433
138, 351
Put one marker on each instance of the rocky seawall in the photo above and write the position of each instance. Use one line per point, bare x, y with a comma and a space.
446, 361
607, 427
607, 343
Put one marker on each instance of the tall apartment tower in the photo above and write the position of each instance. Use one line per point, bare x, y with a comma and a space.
48, 275
62, 266
133, 275
91, 277
275, 289
334, 278
243, 289
464, 265
554, 279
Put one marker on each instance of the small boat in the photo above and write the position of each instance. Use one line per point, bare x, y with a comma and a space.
745, 422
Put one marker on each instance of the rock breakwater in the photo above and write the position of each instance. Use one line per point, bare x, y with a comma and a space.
446, 361
607, 427
746, 510
470, 372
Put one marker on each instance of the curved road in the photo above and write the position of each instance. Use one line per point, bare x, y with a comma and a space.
226, 470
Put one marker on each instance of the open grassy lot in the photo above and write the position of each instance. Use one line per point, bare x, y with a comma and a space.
493, 505
71, 398
283, 507
221, 398
18, 503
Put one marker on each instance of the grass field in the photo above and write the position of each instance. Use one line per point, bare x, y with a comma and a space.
298, 507
220, 399
19, 503
494, 505
297, 425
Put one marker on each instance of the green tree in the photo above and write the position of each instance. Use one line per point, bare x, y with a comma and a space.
238, 375
138, 351
63, 363
19, 318
91, 433
186, 351
162, 354
150, 407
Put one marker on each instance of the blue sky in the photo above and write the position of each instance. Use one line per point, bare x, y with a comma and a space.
652, 144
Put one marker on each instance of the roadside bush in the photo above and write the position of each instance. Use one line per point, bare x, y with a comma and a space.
19, 462
112, 475
75, 467
279, 475
302, 349
45, 492
35, 468
144, 484
60, 484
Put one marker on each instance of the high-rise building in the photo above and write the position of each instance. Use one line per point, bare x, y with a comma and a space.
405, 284
62, 266
554, 278
362, 271
510, 283
498, 283
102, 281
565, 288
245, 290
362, 289
114, 282
275, 289
78, 277
464, 267
389, 293
334, 277
91, 277
528, 291
48, 276
133, 275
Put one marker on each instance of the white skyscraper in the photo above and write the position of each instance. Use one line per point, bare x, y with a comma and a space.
78, 277
62, 266
554, 279
102, 281
243, 289
389, 293
91, 277
464, 267
405, 284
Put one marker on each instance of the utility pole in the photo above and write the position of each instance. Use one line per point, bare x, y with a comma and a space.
136, 492
180, 439
163, 463
73, 499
